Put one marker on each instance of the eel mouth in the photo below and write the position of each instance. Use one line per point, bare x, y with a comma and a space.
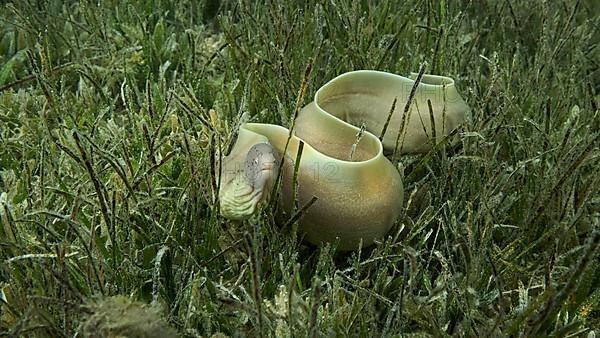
240, 198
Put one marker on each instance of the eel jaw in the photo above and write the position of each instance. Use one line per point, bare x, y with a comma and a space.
239, 199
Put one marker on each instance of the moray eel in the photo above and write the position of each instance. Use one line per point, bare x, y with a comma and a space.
359, 191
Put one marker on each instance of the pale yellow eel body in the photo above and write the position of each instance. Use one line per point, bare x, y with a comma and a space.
359, 191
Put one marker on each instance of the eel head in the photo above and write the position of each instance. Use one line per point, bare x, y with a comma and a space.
247, 182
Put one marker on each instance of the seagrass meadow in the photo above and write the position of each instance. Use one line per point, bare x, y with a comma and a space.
115, 114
